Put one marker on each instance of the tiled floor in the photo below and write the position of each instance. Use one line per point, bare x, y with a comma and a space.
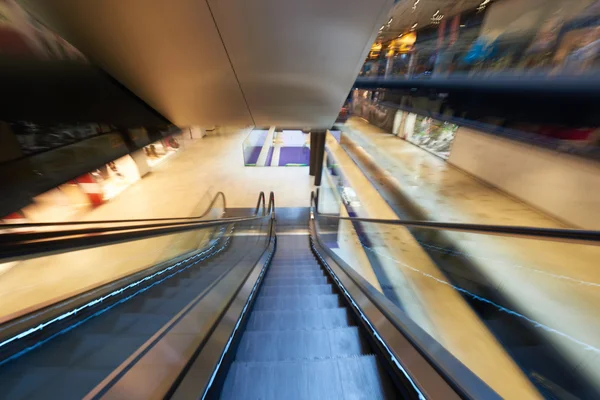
554, 285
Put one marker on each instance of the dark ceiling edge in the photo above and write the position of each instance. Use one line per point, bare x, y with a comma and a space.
32, 11
131, 94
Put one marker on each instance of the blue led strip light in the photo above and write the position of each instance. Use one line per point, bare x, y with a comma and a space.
101, 299
373, 331
237, 325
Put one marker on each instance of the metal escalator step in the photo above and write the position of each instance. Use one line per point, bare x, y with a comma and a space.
364, 378
295, 273
296, 267
316, 379
305, 302
303, 260
288, 380
276, 281
299, 319
300, 344
296, 290
292, 261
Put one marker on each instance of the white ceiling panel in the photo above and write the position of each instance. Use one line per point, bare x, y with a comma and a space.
297, 60
289, 63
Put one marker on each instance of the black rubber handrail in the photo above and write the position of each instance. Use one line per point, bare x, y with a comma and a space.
558, 235
119, 221
25, 237
261, 201
16, 238
32, 245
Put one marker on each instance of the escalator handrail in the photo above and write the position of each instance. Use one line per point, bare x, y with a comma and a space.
120, 221
30, 245
261, 201
16, 238
581, 236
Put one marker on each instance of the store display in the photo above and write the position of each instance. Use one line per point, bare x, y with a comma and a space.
159, 151
398, 122
409, 126
434, 136
504, 37
116, 176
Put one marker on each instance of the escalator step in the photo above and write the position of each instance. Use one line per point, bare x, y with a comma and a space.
299, 319
312, 270
277, 281
363, 377
341, 378
288, 263
300, 344
297, 266
295, 260
296, 290
297, 302
307, 273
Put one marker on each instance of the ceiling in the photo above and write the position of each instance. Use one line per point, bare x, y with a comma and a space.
226, 62
408, 12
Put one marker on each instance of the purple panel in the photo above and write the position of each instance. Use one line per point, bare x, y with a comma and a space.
253, 157
294, 155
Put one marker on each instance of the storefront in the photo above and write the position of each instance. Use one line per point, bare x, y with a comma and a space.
555, 37
161, 150
113, 178
430, 134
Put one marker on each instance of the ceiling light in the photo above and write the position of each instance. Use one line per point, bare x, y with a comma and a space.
414, 7
412, 28
483, 5
437, 17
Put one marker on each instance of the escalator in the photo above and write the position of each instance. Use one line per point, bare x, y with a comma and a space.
301, 341
261, 310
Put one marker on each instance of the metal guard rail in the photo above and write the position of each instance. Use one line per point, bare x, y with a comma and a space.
557, 235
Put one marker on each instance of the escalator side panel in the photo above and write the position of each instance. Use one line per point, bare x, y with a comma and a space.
201, 373
413, 373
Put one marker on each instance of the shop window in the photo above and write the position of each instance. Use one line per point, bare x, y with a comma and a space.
432, 135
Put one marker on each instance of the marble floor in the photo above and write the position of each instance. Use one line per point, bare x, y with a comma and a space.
552, 288
179, 187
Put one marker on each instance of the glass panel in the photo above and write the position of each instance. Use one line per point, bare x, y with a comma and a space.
522, 314
28, 284
252, 146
